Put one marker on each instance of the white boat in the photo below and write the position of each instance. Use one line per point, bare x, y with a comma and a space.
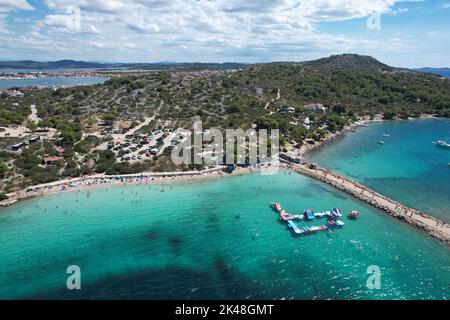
385, 135
443, 144
381, 142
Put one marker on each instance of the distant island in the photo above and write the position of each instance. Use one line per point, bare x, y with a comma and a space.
73, 64
445, 72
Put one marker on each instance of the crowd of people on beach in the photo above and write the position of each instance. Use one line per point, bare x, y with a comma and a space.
356, 189
102, 180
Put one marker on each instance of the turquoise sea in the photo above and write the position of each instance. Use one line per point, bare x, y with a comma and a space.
408, 167
212, 239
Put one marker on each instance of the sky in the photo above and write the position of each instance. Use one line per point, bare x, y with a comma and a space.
402, 33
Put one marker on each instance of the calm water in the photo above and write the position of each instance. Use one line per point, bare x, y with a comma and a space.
408, 167
16, 71
188, 242
51, 82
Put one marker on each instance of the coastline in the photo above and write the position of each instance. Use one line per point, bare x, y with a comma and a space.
306, 148
99, 180
432, 226
419, 220
102, 180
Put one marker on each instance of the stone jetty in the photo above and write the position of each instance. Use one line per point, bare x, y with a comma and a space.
430, 225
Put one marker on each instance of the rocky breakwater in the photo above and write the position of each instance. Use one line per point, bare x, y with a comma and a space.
432, 226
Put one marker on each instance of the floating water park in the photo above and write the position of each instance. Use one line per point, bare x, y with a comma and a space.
334, 219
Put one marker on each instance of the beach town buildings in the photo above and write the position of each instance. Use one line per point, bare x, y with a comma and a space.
59, 151
307, 123
18, 146
34, 139
11, 93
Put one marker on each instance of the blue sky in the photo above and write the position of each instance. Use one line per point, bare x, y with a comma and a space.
411, 33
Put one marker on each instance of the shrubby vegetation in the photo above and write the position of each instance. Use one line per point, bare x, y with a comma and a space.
13, 115
3, 170
347, 86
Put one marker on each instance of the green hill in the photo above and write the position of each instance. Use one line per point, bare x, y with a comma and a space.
274, 95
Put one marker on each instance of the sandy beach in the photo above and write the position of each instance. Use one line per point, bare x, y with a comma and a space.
100, 180
104, 181
430, 225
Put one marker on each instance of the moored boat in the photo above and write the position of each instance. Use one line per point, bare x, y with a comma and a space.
354, 213
442, 144
277, 206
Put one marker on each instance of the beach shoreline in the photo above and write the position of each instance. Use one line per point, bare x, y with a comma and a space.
421, 221
100, 180
104, 181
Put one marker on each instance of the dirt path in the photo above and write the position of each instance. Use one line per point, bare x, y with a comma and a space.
33, 117
274, 99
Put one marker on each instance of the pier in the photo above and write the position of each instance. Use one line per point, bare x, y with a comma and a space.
434, 227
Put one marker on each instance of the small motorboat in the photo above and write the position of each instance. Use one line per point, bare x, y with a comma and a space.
381, 142
442, 144
277, 206
385, 135
354, 213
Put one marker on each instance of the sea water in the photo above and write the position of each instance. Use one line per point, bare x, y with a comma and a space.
50, 82
408, 167
213, 239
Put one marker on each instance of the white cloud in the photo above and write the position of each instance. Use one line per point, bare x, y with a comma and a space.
203, 29
436, 34
69, 22
223, 13
142, 26
11, 5
3, 28
93, 29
